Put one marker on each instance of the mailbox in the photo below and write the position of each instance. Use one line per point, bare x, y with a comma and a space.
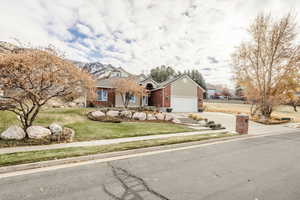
242, 124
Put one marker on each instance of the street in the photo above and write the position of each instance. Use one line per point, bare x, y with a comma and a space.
252, 169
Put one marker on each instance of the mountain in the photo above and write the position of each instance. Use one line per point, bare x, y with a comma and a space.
97, 69
6, 47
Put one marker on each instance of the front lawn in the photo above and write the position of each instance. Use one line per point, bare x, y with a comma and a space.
85, 129
92, 130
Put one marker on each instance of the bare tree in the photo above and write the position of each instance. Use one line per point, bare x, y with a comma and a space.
267, 66
128, 88
31, 77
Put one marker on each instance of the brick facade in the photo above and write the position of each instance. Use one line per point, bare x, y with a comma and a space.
110, 98
242, 124
167, 96
157, 98
200, 97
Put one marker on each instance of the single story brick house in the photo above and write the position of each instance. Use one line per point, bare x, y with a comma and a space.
180, 93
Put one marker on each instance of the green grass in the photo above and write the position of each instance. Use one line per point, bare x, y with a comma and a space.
37, 156
85, 129
91, 130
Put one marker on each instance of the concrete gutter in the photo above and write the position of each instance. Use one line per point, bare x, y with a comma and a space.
106, 157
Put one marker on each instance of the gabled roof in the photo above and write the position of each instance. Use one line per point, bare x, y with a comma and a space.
149, 78
104, 83
108, 82
168, 82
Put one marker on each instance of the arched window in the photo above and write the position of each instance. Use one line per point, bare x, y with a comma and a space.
149, 86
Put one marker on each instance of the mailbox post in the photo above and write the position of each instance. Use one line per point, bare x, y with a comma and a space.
242, 124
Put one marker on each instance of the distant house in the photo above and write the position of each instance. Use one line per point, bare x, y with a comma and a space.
181, 93
211, 91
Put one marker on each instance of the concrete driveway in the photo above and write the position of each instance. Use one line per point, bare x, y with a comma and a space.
228, 121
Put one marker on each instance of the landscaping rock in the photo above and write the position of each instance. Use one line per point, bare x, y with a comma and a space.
67, 135
126, 114
151, 117
13, 133
112, 113
160, 116
55, 129
202, 123
72, 104
169, 117
97, 114
176, 121
139, 116
38, 132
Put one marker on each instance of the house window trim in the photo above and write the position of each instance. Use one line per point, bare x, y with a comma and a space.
104, 95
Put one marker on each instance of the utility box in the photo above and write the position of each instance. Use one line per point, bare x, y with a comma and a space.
242, 124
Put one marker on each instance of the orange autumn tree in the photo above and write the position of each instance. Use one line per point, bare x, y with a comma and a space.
128, 88
31, 77
267, 65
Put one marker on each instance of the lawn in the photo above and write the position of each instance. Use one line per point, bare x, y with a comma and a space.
88, 130
36, 156
280, 111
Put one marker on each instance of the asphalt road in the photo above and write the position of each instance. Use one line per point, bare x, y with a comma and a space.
266, 168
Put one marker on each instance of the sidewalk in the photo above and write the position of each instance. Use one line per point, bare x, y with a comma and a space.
102, 142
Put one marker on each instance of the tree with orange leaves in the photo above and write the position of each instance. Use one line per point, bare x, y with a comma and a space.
128, 88
267, 66
31, 77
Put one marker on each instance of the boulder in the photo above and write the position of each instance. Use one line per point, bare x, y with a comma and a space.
55, 129
176, 121
55, 104
202, 123
67, 135
151, 117
126, 114
38, 132
169, 117
72, 104
139, 116
97, 114
112, 113
160, 116
13, 133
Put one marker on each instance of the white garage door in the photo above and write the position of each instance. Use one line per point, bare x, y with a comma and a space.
184, 104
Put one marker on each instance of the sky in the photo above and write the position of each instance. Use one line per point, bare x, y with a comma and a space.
140, 34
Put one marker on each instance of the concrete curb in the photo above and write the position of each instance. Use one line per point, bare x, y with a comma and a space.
103, 141
51, 163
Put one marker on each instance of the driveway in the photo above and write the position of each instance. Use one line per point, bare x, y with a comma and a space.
249, 169
228, 121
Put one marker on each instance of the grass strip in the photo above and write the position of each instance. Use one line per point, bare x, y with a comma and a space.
43, 155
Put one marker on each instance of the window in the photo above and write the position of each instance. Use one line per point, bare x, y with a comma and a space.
132, 99
102, 95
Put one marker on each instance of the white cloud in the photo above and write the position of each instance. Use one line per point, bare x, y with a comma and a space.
140, 34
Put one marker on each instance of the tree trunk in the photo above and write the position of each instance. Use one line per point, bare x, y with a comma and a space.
295, 107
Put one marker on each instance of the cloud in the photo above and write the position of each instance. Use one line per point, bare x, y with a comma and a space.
140, 34
212, 60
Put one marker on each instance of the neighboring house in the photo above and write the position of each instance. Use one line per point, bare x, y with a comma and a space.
181, 93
